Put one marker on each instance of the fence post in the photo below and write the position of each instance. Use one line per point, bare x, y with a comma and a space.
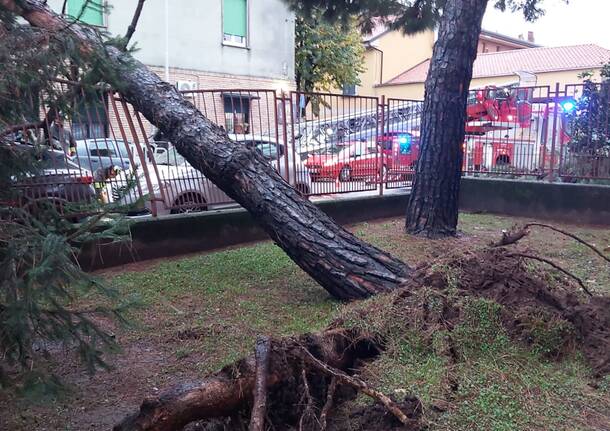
136, 141
380, 126
554, 136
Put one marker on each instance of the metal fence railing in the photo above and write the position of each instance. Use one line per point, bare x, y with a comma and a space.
321, 143
334, 138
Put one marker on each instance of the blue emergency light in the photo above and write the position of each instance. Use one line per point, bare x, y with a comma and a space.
404, 143
568, 105
403, 139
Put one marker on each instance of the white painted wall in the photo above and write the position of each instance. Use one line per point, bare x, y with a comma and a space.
195, 36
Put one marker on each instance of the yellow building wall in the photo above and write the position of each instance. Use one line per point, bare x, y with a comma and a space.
400, 53
567, 77
416, 90
371, 75
406, 91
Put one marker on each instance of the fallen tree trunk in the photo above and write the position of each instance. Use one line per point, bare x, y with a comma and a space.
345, 266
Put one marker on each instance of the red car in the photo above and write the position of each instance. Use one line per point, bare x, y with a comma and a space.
400, 152
355, 160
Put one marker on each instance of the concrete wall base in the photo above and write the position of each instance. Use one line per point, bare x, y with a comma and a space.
181, 234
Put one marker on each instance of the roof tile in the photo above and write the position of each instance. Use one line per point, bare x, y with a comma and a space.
533, 60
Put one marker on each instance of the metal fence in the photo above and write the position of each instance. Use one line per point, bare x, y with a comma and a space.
321, 143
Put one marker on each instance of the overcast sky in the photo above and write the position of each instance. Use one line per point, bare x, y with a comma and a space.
579, 21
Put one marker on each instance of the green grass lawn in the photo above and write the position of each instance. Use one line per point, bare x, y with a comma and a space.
201, 312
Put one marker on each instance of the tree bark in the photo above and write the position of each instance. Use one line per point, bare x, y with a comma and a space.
259, 394
433, 204
345, 266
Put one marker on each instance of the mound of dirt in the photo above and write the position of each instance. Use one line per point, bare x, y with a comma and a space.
526, 293
533, 306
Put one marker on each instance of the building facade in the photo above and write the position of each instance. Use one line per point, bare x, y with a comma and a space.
490, 41
389, 53
542, 66
205, 45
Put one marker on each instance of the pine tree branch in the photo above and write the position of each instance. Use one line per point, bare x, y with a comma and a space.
134, 22
573, 236
557, 267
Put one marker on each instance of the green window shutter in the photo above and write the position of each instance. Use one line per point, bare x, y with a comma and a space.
93, 13
235, 17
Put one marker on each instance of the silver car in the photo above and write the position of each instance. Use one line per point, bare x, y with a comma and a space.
282, 159
177, 187
93, 154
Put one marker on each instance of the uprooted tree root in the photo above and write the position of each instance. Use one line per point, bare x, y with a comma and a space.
310, 376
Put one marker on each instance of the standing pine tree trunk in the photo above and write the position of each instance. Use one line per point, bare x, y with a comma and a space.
433, 205
347, 267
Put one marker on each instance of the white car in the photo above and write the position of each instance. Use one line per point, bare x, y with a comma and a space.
180, 188
175, 186
283, 160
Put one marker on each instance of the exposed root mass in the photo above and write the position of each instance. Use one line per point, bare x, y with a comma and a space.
312, 376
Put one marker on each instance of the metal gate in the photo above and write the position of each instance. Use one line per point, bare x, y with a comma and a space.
400, 142
334, 137
321, 143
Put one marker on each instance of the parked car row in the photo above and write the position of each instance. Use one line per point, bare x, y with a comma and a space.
178, 187
393, 153
113, 171
56, 180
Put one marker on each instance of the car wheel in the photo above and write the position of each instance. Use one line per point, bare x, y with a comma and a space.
502, 160
189, 203
345, 174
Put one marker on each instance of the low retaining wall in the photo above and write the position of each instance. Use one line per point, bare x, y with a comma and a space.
575, 203
187, 233
181, 234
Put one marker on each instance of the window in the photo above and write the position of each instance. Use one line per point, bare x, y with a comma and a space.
93, 12
235, 22
270, 150
102, 148
349, 89
237, 114
103, 152
90, 120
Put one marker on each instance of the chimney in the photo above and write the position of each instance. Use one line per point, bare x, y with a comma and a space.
530, 37
520, 36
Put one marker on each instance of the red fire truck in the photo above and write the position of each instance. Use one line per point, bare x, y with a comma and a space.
509, 130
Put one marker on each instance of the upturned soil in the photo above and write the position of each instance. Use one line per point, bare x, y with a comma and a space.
203, 312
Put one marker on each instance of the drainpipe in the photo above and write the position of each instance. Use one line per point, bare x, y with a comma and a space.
166, 40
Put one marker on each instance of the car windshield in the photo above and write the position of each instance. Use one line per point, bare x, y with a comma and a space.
354, 150
56, 160
103, 148
269, 150
329, 150
169, 157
